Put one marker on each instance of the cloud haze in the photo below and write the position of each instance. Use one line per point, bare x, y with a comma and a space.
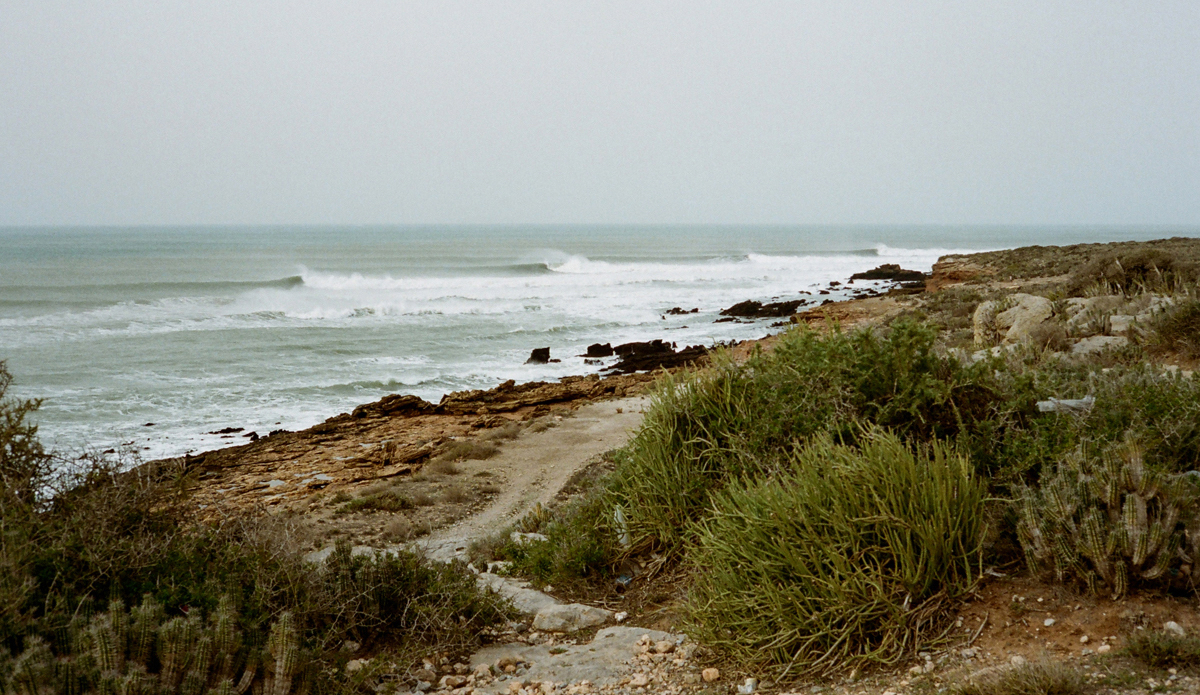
486, 112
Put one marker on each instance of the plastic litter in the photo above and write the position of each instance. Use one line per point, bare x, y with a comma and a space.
1067, 405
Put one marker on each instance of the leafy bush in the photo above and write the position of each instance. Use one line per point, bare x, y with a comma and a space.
1112, 522
578, 545
847, 555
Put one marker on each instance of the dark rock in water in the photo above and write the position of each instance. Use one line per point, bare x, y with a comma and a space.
758, 310
148, 424
539, 356
253, 436
599, 350
275, 432
227, 430
823, 292
677, 311
654, 347
835, 283
654, 355
827, 301
890, 271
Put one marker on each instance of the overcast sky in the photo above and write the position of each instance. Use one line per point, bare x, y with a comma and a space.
212, 112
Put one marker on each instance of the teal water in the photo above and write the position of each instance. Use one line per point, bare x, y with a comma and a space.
197, 329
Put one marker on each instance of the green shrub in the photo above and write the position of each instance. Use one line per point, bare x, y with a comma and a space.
846, 555
1133, 271
1112, 522
705, 427
1162, 649
385, 501
579, 544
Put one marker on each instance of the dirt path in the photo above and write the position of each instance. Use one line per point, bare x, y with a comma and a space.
533, 468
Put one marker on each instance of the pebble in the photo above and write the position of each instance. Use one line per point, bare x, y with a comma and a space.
1084, 640
1017, 660
710, 674
1103, 649
621, 617
748, 687
664, 647
1048, 622
1174, 628
639, 680
969, 653
355, 665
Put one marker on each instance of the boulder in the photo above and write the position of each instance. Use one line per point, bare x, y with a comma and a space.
1011, 319
1097, 344
539, 356
890, 271
569, 617
599, 350
758, 310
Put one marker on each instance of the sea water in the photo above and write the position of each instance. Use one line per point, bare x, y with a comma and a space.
153, 339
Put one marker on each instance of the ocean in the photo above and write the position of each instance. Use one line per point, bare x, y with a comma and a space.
153, 339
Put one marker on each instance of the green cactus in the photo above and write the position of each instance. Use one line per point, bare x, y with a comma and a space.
1110, 521
107, 651
33, 671
284, 647
175, 640
223, 687
144, 630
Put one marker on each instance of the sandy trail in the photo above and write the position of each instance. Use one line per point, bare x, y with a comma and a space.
534, 467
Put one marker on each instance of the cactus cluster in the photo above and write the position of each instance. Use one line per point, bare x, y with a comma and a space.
140, 652
1110, 521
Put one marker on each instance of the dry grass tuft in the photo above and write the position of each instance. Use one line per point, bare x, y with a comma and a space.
456, 495
1036, 678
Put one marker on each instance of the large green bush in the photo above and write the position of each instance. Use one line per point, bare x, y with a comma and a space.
730, 419
847, 555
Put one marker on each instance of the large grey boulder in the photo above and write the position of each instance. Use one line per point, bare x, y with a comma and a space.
1011, 319
1097, 344
569, 617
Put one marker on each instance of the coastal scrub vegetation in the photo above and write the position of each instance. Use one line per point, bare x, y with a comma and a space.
80, 540
757, 476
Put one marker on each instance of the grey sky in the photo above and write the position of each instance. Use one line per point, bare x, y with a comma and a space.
490, 111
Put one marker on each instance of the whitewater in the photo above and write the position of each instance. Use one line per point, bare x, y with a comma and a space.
155, 339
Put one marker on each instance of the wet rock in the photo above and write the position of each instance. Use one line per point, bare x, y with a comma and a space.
677, 311
656, 354
890, 271
539, 356
227, 430
758, 310
393, 405
599, 350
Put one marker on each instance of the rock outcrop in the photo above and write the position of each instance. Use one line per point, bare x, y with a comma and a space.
758, 310
890, 271
1010, 320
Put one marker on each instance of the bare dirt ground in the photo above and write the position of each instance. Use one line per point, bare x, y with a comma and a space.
536, 467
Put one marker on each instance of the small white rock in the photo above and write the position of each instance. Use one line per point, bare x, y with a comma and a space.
621, 617
1017, 660
1174, 628
1084, 640
748, 687
1048, 622
1103, 649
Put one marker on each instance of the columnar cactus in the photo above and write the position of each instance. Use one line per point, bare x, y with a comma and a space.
1110, 522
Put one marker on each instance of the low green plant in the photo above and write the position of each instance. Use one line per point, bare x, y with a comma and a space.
1111, 521
578, 546
1163, 649
846, 555
1032, 678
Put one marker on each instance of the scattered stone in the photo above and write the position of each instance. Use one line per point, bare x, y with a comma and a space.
969, 653
1097, 344
1174, 628
639, 680
355, 665
748, 687
1017, 660
664, 647
1049, 622
449, 682
758, 310
482, 671
621, 617
522, 539
1103, 649
599, 350
1084, 639
424, 674
710, 675
350, 646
